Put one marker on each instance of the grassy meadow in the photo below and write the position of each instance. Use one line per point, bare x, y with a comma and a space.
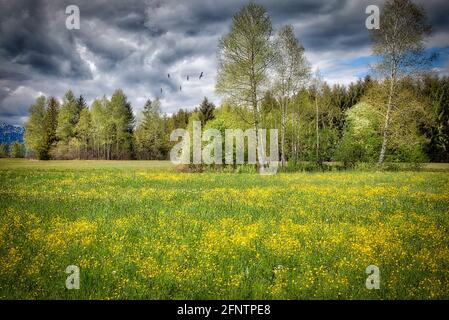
142, 230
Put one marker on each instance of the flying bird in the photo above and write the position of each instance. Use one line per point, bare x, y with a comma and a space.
187, 78
179, 88
161, 90
168, 75
201, 75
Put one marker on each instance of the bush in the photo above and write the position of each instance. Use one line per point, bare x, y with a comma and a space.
17, 150
246, 168
349, 154
3, 150
409, 154
63, 151
365, 166
388, 166
307, 166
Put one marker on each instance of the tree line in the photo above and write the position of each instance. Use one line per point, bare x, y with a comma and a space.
349, 124
265, 80
108, 129
15, 150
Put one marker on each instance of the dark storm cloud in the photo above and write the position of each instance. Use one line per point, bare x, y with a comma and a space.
332, 25
3, 93
301, 10
6, 72
134, 44
30, 36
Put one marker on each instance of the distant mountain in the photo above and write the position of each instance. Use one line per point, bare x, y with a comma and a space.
9, 133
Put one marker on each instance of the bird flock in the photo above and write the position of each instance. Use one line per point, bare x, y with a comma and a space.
187, 78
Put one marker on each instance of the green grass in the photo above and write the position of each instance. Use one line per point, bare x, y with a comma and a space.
141, 230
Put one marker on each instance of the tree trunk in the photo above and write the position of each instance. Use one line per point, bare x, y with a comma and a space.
293, 137
317, 130
256, 128
298, 134
387, 124
255, 108
283, 125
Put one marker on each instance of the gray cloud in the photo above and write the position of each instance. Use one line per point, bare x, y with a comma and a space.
31, 36
134, 44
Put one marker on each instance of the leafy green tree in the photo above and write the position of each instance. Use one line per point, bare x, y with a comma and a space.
361, 139
245, 56
35, 131
4, 150
17, 150
435, 92
123, 125
400, 45
312, 133
67, 119
297, 109
180, 119
83, 132
365, 122
226, 117
150, 132
102, 128
291, 71
318, 91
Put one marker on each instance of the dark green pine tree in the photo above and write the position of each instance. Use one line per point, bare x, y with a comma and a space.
51, 124
206, 111
80, 104
435, 91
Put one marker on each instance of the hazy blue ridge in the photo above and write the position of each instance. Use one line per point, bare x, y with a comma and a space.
9, 133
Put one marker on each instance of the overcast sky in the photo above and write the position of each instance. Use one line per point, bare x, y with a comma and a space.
133, 45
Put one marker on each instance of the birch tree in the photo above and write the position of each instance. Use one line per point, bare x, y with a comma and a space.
291, 71
245, 56
399, 43
317, 90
